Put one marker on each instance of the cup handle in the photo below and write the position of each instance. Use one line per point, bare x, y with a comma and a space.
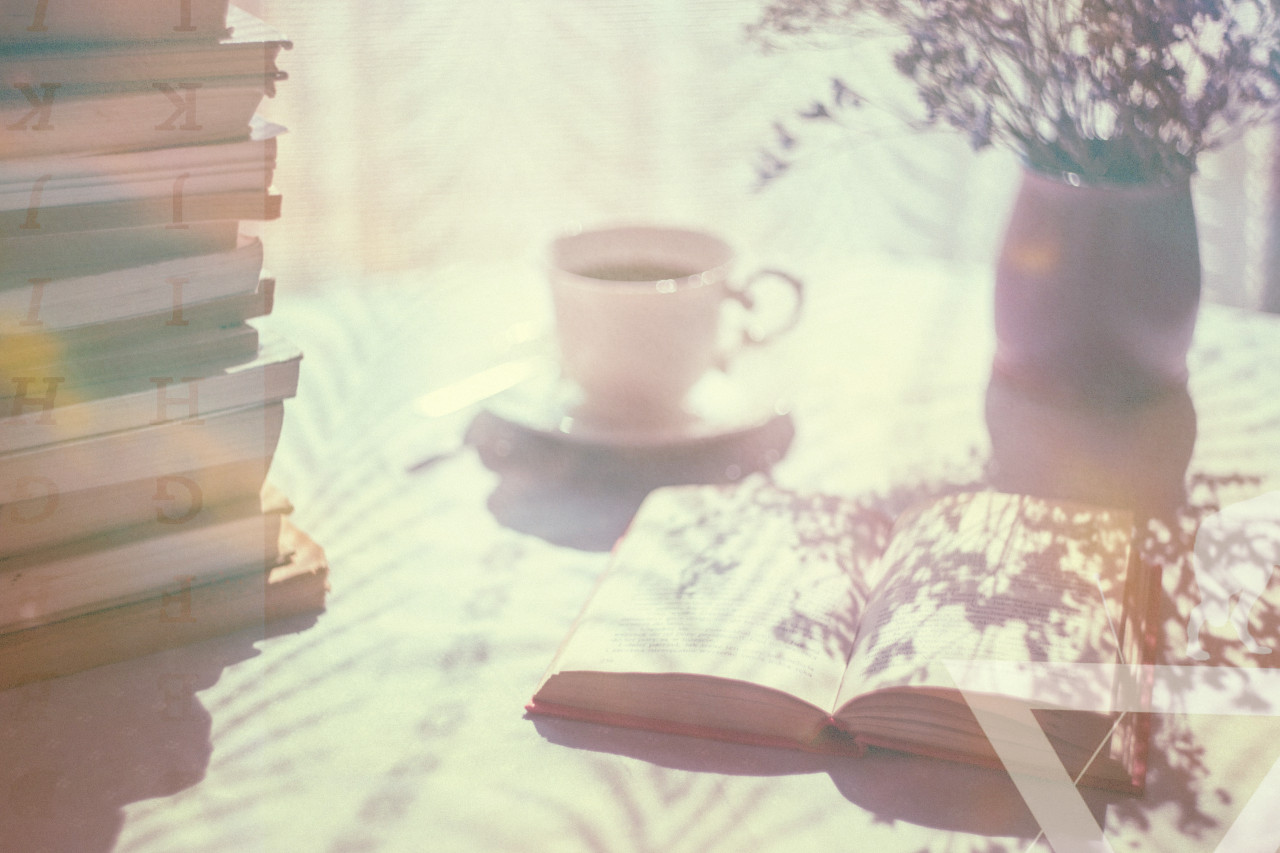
743, 295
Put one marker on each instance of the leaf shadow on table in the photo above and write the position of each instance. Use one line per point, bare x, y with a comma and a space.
1138, 455
583, 496
1183, 768
78, 749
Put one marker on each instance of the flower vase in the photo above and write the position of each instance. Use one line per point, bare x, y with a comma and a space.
1097, 288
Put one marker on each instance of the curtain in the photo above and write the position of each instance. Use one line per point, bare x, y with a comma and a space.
424, 134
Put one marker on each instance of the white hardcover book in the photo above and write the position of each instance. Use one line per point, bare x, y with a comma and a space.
178, 210
134, 454
165, 184
271, 377
79, 169
45, 22
36, 254
43, 306
47, 118
249, 50
44, 521
121, 567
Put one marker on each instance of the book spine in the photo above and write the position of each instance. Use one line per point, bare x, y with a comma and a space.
254, 601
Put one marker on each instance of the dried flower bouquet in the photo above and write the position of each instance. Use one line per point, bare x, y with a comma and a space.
1115, 91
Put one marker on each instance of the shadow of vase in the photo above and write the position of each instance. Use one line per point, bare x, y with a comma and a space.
1131, 456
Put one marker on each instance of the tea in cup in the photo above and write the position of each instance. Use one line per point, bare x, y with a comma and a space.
640, 317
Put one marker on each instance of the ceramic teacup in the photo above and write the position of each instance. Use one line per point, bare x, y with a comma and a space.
640, 316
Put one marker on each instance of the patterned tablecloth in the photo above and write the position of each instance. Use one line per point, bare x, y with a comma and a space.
395, 722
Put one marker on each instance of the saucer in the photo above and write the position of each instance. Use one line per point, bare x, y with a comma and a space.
721, 405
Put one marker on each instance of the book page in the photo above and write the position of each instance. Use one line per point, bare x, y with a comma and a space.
752, 583
988, 576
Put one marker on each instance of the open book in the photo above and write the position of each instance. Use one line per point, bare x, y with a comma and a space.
758, 615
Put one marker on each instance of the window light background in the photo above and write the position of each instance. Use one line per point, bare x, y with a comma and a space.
425, 134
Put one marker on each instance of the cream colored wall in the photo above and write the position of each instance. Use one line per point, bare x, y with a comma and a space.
457, 130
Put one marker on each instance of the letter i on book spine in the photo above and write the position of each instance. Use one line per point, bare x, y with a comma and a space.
140, 402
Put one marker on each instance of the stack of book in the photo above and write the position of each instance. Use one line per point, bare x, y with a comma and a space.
139, 409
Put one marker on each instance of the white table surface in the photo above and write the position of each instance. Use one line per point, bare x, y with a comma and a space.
395, 722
